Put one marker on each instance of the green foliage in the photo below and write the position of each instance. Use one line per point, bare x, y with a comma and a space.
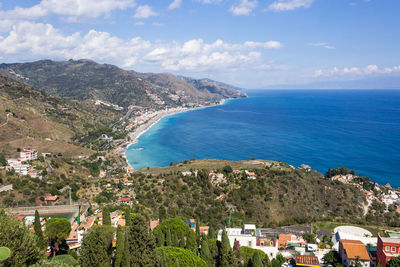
191, 243
5, 253
205, 253
337, 171
96, 248
56, 231
246, 254
3, 161
141, 243
278, 261
119, 251
106, 217
38, 230
310, 238
128, 216
227, 169
394, 262
181, 256
169, 230
68, 260
225, 252
23, 244
256, 260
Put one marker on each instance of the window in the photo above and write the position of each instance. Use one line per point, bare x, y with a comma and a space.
249, 243
387, 248
393, 249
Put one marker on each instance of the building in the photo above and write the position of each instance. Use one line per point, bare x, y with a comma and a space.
252, 237
154, 224
192, 224
204, 230
126, 200
388, 247
28, 154
354, 250
307, 260
51, 199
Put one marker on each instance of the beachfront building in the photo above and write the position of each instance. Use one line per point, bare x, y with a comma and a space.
388, 247
352, 251
252, 237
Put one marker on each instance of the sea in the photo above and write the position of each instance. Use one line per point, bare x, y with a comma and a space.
359, 129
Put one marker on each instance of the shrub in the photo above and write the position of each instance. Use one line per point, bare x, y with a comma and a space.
183, 256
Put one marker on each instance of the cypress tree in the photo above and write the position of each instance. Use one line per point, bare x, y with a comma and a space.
128, 216
169, 240
96, 249
198, 232
181, 238
175, 240
126, 256
225, 250
141, 244
205, 253
191, 241
119, 252
163, 259
256, 260
211, 232
106, 217
38, 230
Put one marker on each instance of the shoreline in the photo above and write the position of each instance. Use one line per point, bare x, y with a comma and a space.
143, 128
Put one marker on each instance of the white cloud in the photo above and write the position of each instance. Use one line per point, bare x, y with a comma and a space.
144, 12
322, 44
175, 4
139, 23
356, 71
243, 8
285, 5
71, 9
158, 24
37, 40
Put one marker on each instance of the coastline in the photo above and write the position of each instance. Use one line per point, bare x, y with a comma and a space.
141, 129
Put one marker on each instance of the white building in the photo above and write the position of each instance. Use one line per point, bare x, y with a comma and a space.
246, 236
28, 154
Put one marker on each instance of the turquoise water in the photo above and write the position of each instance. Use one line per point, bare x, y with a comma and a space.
359, 129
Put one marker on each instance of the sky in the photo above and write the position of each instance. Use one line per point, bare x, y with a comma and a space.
246, 43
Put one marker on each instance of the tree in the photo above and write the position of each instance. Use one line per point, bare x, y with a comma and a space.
3, 161
23, 244
38, 230
180, 257
96, 248
119, 252
128, 216
256, 260
205, 253
225, 252
227, 169
56, 231
169, 239
175, 240
394, 262
141, 243
191, 241
211, 232
106, 217
278, 261
126, 260
198, 232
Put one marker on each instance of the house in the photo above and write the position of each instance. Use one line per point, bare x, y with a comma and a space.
6, 188
250, 175
51, 199
284, 240
388, 247
251, 237
192, 224
204, 230
89, 223
126, 200
154, 224
28, 154
305, 167
307, 260
73, 236
354, 250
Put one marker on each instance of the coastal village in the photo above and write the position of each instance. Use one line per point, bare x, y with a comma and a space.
299, 245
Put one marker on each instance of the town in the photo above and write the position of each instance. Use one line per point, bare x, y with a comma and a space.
310, 244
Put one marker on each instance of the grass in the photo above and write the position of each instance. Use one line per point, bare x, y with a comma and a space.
374, 229
4, 253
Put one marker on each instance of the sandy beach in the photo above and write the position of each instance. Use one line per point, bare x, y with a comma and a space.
141, 129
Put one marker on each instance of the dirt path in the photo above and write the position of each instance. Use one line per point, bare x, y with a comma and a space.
4, 124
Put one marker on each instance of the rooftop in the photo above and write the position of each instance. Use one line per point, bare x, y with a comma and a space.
307, 260
354, 249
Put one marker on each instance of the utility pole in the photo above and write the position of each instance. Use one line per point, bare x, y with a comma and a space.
70, 199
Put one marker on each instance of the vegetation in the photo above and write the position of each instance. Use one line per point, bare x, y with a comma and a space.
183, 257
56, 231
96, 249
338, 171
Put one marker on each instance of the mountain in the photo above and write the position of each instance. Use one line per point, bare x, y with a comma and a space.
30, 117
87, 80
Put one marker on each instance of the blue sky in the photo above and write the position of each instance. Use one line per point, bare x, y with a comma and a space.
247, 43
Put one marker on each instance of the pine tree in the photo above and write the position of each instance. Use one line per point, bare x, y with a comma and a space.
119, 252
225, 250
106, 217
191, 241
141, 244
256, 260
38, 230
205, 253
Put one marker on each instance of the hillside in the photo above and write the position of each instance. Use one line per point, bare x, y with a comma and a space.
88, 80
280, 194
29, 117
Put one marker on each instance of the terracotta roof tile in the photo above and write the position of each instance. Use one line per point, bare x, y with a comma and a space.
354, 249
